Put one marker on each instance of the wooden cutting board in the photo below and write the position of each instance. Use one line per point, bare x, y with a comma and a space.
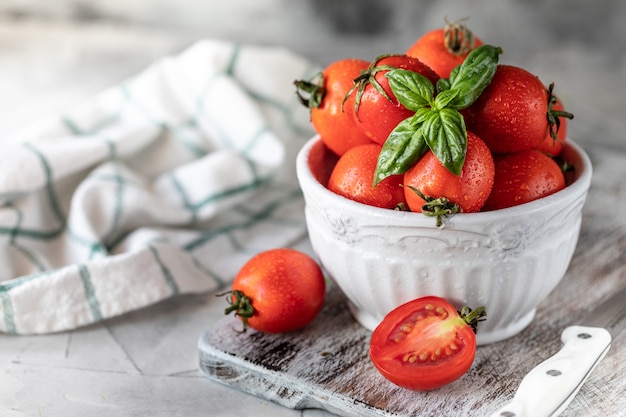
326, 365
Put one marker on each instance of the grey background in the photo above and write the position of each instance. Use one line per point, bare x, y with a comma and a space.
56, 52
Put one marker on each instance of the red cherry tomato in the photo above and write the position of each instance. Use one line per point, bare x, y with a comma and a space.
445, 48
469, 190
330, 116
512, 113
522, 177
353, 177
378, 113
425, 343
279, 290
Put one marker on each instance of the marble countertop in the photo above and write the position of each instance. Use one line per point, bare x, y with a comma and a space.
53, 55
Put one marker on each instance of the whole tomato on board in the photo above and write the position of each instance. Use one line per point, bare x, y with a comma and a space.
353, 174
522, 177
376, 110
469, 190
425, 343
513, 113
277, 291
445, 48
325, 99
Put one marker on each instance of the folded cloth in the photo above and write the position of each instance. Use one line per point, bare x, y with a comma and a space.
163, 185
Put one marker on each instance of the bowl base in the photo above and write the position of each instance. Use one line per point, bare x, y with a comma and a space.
482, 338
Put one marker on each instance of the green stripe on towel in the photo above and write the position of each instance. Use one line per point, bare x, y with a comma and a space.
7, 307
90, 293
167, 274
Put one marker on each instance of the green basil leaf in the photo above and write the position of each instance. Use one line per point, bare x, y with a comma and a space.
475, 73
444, 98
404, 146
446, 135
443, 84
421, 115
453, 74
412, 89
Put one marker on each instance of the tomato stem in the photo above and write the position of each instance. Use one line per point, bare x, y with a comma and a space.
472, 317
437, 207
241, 304
457, 38
553, 115
368, 76
311, 92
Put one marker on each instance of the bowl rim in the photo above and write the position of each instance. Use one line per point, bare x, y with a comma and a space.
572, 151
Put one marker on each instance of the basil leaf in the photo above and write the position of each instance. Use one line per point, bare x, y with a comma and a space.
443, 84
475, 73
422, 114
446, 135
412, 89
437, 123
444, 98
402, 149
453, 74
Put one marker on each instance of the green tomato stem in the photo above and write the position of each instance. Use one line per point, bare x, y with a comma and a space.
239, 303
553, 115
472, 317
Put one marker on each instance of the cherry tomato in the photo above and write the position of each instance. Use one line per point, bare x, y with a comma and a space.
330, 116
549, 145
512, 113
276, 291
522, 177
425, 343
445, 48
353, 177
469, 190
377, 111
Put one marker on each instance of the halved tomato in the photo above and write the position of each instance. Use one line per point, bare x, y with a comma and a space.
425, 343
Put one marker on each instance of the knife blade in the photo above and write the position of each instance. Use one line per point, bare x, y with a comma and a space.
547, 389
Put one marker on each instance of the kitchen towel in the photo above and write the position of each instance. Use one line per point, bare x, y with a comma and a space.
163, 185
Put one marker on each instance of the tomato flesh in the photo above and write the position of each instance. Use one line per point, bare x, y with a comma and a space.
423, 345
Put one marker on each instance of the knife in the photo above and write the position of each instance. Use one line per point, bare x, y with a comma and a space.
547, 389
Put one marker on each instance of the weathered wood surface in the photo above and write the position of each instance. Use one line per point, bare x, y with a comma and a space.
326, 365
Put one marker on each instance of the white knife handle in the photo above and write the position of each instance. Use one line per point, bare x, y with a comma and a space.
549, 387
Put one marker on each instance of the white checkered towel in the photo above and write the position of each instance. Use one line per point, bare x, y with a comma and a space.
160, 186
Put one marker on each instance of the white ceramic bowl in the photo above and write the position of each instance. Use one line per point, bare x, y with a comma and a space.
507, 260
